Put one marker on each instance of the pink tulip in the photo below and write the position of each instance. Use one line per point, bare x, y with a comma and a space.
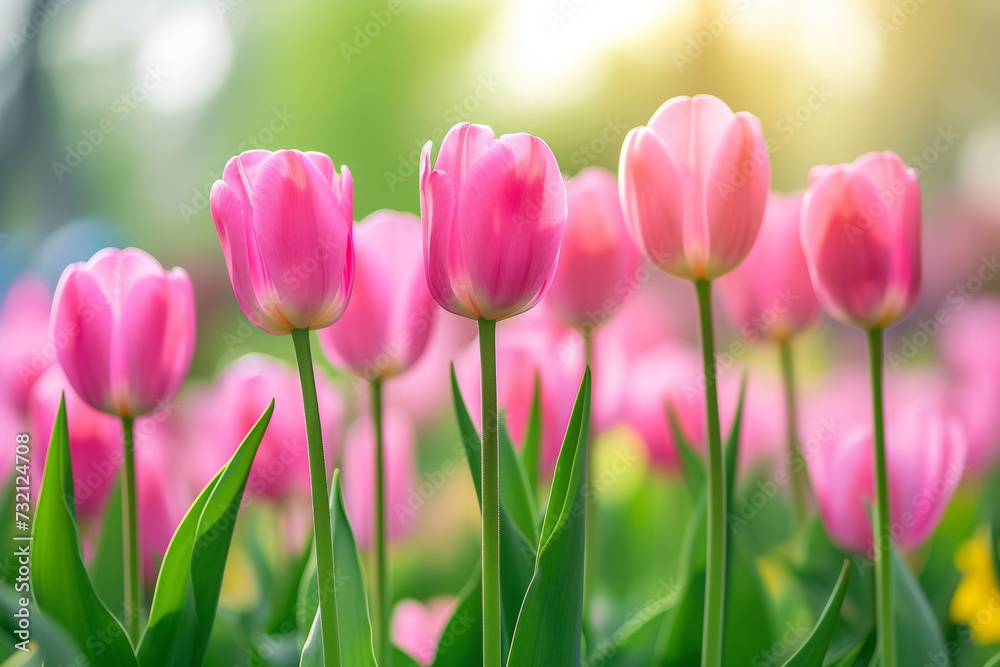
400, 472
968, 344
669, 374
493, 213
24, 339
128, 328
597, 260
861, 238
161, 499
762, 427
770, 294
11, 425
385, 328
417, 627
694, 184
95, 440
926, 452
284, 220
223, 416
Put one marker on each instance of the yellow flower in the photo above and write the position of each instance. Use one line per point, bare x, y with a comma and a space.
976, 602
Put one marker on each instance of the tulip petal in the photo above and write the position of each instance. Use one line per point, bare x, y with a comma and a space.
461, 147
82, 324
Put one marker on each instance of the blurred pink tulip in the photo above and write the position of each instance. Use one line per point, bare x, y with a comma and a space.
385, 328
668, 374
597, 260
968, 345
694, 183
162, 500
417, 627
95, 440
24, 339
493, 213
762, 427
770, 294
223, 415
400, 442
861, 238
128, 328
284, 220
926, 457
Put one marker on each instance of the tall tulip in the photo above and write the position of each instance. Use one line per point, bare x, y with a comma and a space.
24, 339
493, 212
285, 222
381, 334
128, 330
770, 296
694, 184
861, 237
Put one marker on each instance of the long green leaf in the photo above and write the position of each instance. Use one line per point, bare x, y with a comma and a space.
187, 590
519, 499
355, 628
461, 643
635, 643
52, 642
917, 631
532, 445
549, 627
517, 553
813, 652
106, 566
59, 577
692, 465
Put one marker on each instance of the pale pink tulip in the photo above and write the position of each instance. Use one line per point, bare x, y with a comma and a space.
861, 238
162, 498
24, 339
222, 416
694, 183
597, 260
770, 295
284, 220
417, 627
926, 457
669, 374
385, 328
493, 213
128, 329
400, 443
95, 440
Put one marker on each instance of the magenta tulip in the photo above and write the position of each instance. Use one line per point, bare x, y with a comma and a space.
926, 455
24, 339
417, 627
359, 476
385, 328
597, 260
493, 213
284, 220
861, 238
694, 183
128, 328
95, 440
770, 294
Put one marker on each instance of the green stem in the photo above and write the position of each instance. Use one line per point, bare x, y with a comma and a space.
320, 492
381, 594
491, 495
715, 582
130, 535
883, 543
797, 463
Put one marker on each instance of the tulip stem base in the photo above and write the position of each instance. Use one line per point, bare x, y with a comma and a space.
800, 477
490, 469
715, 581
880, 518
130, 535
382, 595
320, 492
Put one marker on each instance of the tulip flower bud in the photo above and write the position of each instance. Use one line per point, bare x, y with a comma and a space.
861, 238
694, 183
385, 328
128, 330
284, 220
493, 213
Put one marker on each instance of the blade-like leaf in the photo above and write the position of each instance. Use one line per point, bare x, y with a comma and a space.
813, 651
517, 554
59, 577
352, 601
917, 632
461, 643
531, 448
692, 465
54, 645
635, 643
106, 566
187, 590
549, 627
516, 493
